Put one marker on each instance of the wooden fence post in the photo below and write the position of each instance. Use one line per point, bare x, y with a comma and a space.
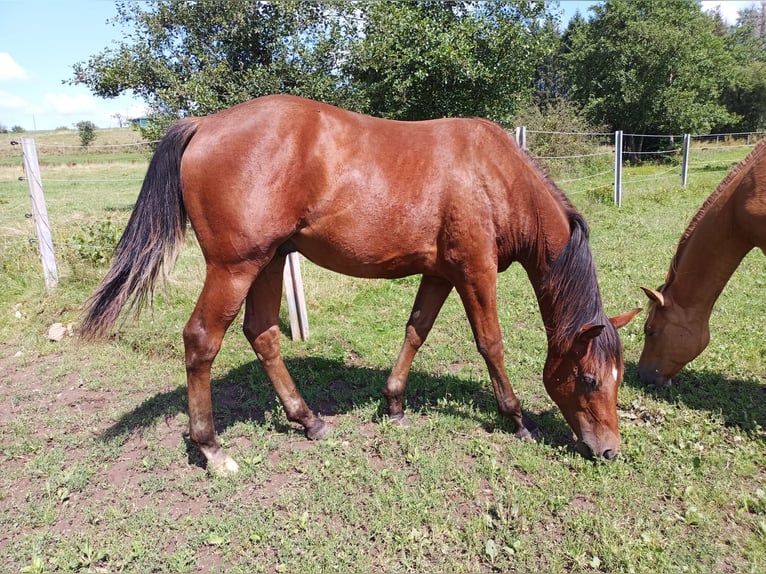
296, 302
618, 167
40, 212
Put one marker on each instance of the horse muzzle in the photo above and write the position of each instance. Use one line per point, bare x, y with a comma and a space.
598, 453
651, 376
593, 448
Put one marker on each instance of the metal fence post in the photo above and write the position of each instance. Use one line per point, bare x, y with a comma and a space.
685, 161
521, 136
618, 167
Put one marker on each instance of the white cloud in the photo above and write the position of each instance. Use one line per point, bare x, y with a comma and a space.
136, 111
10, 101
65, 104
9, 69
729, 9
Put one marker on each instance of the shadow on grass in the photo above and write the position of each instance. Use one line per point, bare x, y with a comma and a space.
741, 402
334, 388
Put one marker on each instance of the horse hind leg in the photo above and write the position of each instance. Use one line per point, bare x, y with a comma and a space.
219, 302
428, 302
261, 328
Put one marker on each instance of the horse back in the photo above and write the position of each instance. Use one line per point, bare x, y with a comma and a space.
361, 195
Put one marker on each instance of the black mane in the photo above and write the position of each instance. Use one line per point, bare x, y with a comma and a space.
572, 287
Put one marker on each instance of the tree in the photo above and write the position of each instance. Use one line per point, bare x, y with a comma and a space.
122, 119
410, 60
745, 94
745, 97
199, 57
550, 80
649, 67
426, 59
87, 131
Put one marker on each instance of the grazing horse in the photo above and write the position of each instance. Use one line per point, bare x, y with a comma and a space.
454, 200
730, 223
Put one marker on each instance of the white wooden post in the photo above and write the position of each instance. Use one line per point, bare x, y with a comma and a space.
685, 161
296, 302
40, 212
618, 167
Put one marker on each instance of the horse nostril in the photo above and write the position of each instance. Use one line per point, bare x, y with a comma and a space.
610, 454
647, 376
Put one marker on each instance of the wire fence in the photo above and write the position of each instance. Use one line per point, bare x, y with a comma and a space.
589, 163
61, 170
589, 169
89, 244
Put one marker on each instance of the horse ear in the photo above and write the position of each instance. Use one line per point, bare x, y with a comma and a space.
624, 318
589, 331
654, 295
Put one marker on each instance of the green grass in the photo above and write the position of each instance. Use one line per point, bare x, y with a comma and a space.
98, 474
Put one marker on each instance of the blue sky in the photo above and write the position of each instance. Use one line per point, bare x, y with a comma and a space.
40, 40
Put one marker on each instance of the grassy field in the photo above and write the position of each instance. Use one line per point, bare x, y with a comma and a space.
98, 474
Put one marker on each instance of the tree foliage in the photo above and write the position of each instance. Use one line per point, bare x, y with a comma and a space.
745, 95
410, 60
642, 66
199, 57
429, 59
87, 131
649, 67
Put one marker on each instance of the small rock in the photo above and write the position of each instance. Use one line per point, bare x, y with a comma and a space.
56, 332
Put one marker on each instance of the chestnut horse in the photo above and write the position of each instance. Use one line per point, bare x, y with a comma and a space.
730, 223
453, 199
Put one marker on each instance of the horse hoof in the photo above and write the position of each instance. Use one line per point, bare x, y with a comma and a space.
523, 433
321, 430
401, 421
528, 430
224, 468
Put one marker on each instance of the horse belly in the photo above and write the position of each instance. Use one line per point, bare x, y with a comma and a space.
368, 257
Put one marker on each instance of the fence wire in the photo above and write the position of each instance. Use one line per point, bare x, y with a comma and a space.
601, 146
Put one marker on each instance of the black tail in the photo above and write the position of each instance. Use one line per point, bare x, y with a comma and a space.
150, 241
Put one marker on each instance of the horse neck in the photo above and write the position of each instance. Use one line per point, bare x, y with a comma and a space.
708, 256
546, 233
542, 225
551, 236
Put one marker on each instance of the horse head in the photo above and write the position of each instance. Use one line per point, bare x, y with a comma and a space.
673, 336
583, 379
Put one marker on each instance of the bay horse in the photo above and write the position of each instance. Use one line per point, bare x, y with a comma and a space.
454, 200
730, 223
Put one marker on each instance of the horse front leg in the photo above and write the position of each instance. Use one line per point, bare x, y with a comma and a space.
480, 301
261, 327
431, 295
218, 304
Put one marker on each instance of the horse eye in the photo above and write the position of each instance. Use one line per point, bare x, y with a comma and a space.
590, 382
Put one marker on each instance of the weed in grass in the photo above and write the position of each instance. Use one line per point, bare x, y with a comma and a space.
182, 560
95, 243
37, 566
603, 194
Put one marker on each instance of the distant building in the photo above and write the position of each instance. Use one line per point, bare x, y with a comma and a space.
141, 122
